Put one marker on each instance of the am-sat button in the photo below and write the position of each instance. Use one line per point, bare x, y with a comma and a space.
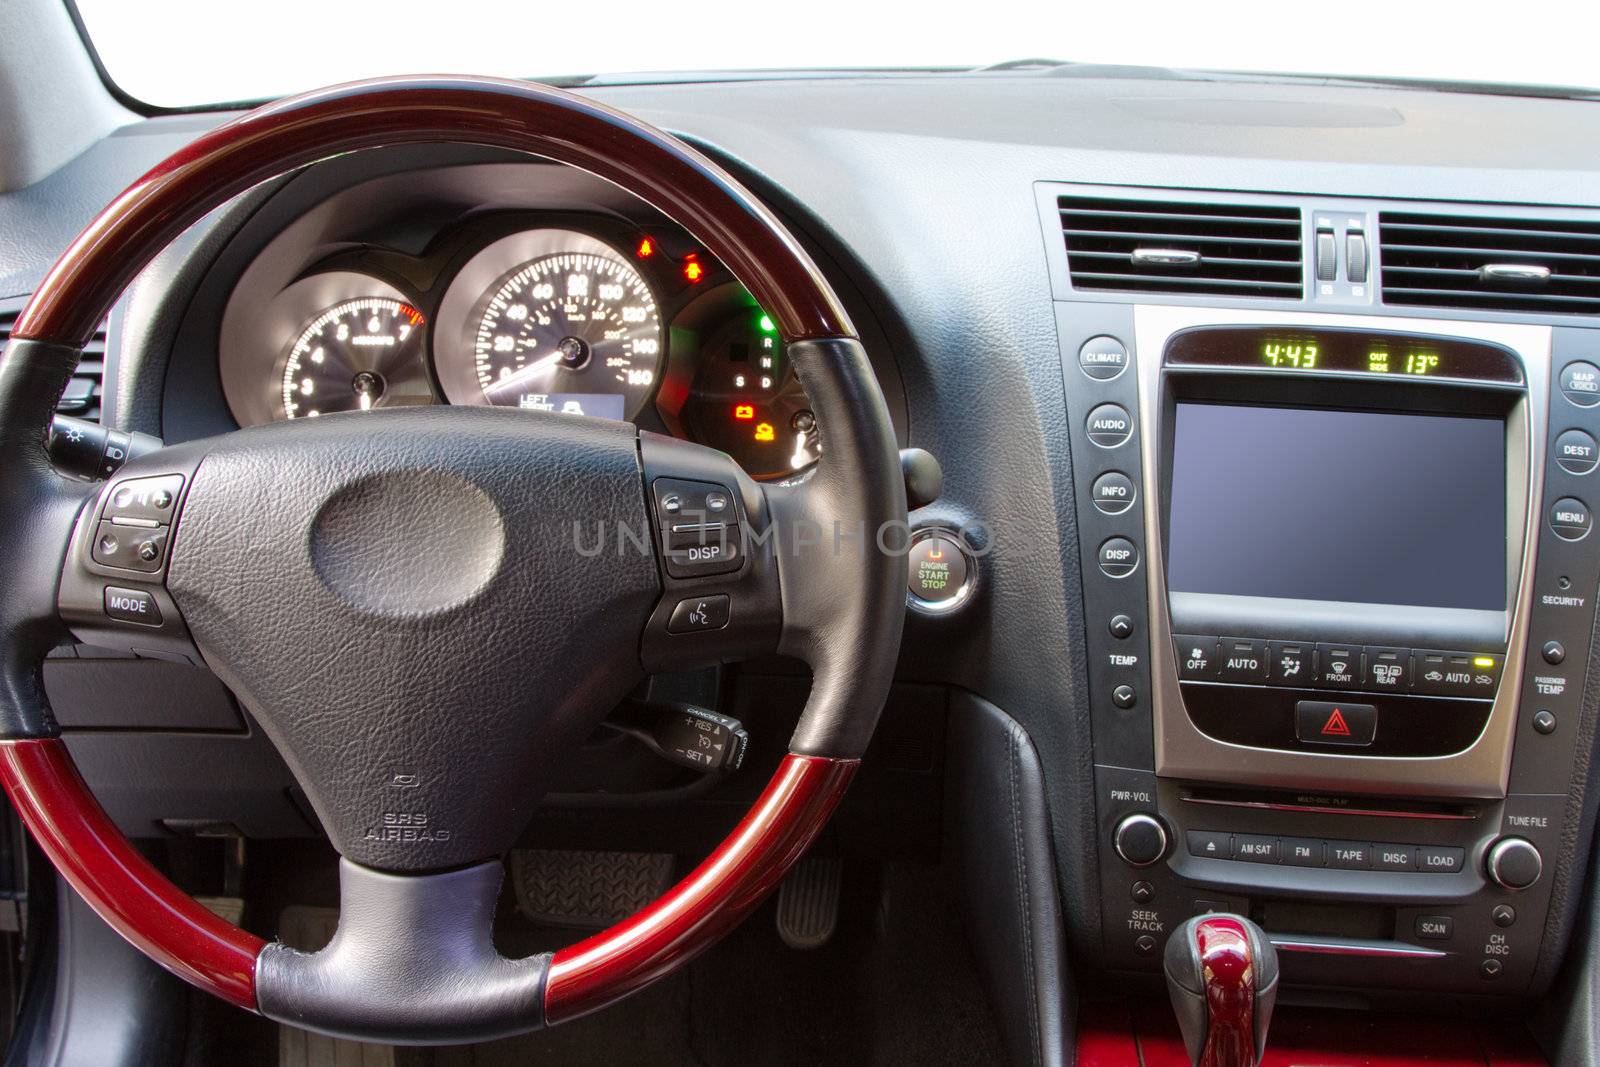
1324, 722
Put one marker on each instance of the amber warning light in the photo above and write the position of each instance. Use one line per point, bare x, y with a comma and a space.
744, 412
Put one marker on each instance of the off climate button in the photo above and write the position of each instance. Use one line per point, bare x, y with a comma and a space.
1197, 657
1103, 358
1119, 557
1580, 383
1570, 519
1576, 452
1109, 425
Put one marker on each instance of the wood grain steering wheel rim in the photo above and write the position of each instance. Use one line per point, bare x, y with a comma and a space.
38, 773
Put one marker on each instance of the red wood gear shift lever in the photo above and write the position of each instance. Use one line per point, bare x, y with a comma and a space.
1222, 975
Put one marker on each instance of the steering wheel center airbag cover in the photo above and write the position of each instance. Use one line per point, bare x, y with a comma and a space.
379, 544
412, 605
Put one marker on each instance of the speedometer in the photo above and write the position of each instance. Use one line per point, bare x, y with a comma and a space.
551, 320
575, 332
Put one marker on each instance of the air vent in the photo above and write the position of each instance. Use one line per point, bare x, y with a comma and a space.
1491, 264
81, 398
1152, 246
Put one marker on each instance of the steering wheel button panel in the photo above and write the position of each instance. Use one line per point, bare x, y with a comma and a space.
130, 548
132, 605
700, 613
141, 501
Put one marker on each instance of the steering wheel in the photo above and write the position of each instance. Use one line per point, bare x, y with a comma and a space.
412, 604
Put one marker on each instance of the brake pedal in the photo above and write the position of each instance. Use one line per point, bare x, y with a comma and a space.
808, 902
587, 888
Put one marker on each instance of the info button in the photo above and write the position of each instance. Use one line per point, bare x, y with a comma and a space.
1322, 722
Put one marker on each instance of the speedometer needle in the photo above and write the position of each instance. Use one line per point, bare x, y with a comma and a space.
532, 370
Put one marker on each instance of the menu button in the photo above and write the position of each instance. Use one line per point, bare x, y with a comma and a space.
1570, 519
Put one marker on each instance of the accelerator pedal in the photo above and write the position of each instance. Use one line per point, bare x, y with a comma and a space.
808, 902
309, 929
561, 888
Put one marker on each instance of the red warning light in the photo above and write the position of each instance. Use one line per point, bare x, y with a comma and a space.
646, 249
693, 269
1336, 726
744, 412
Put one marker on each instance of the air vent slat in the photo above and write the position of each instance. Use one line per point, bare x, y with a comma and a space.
1439, 261
1154, 237
83, 394
1472, 275
1216, 261
1176, 216
1177, 247
1490, 255
1131, 277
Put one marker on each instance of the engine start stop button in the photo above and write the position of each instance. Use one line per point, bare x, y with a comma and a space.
938, 571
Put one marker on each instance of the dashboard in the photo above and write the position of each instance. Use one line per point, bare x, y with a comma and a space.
585, 311
1175, 469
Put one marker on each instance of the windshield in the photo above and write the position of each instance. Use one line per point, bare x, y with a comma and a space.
194, 53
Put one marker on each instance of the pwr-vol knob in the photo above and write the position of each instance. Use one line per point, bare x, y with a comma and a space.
1140, 839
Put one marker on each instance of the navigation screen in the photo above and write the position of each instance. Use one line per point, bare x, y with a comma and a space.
1360, 506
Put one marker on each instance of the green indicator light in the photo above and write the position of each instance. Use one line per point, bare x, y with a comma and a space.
767, 325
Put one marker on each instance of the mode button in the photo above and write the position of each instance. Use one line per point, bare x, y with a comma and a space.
132, 605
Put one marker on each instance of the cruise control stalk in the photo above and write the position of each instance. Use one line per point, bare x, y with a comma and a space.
685, 734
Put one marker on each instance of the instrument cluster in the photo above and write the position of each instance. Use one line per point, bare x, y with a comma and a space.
587, 316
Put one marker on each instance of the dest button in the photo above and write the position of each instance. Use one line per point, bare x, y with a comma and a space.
1321, 722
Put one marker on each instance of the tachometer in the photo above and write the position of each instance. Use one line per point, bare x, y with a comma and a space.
353, 356
566, 324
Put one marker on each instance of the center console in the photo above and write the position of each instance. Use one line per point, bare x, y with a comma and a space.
1339, 576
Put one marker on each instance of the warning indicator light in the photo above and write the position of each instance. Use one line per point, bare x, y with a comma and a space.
646, 249
744, 412
693, 269
764, 431
1336, 726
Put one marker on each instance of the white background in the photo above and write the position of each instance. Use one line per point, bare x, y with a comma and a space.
185, 52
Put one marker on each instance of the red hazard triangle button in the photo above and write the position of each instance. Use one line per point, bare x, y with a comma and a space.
1319, 722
